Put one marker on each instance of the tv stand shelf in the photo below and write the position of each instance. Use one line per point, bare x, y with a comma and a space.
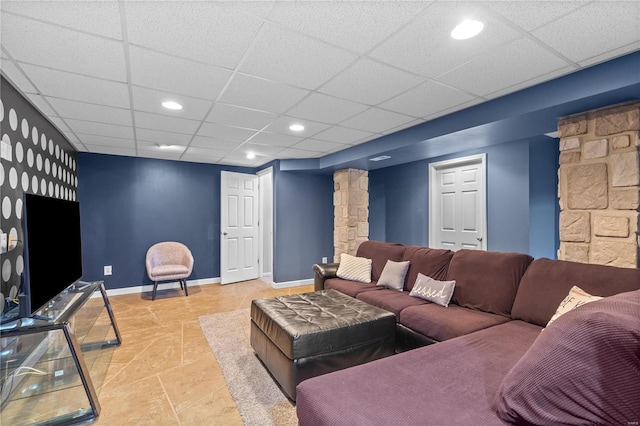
53, 366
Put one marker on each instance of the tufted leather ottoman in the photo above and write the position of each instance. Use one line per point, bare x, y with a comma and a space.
306, 335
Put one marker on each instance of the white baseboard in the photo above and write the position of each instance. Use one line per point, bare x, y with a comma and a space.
287, 284
161, 286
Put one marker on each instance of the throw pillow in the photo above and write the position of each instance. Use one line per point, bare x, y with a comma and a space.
354, 268
435, 291
582, 371
393, 274
576, 297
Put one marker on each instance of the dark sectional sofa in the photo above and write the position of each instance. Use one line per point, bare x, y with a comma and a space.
490, 334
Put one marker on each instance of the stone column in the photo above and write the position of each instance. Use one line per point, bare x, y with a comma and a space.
351, 211
599, 186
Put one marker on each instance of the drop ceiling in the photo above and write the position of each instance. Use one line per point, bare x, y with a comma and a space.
350, 72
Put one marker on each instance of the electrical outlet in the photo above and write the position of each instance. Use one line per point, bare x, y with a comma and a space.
324, 259
108, 270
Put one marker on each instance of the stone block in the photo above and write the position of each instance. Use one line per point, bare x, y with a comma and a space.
575, 252
343, 234
614, 253
569, 157
352, 221
575, 226
619, 142
351, 234
363, 214
363, 229
569, 143
364, 183
572, 126
358, 198
611, 226
625, 169
625, 199
587, 186
595, 149
337, 198
618, 119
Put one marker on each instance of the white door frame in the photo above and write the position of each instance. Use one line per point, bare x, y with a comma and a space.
266, 232
434, 202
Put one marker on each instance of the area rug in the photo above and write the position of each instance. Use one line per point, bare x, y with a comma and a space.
258, 398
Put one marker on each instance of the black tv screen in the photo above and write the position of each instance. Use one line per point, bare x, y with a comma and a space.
52, 251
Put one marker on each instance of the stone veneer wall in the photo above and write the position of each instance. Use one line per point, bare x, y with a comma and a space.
599, 186
351, 211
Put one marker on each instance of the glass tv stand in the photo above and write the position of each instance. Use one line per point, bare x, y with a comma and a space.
52, 370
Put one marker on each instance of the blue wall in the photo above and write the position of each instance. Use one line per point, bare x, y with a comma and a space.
303, 231
399, 199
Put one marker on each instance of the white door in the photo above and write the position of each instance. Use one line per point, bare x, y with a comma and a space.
239, 233
457, 213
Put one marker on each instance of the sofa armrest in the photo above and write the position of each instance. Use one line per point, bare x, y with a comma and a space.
323, 271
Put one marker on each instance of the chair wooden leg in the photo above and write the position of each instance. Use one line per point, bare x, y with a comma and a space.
155, 288
186, 292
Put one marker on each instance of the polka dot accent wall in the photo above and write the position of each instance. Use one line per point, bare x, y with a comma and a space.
42, 162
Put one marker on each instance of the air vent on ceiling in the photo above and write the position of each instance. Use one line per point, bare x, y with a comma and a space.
380, 158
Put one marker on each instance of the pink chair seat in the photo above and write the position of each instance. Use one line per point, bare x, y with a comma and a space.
169, 260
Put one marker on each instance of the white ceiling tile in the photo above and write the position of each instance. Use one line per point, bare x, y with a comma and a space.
264, 95
258, 149
460, 107
519, 61
285, 56
51, 46
240, 117
194, 153
370, 82
169, 138
149, 100
215, 143
426, 47
356, 26
532, 14
319, 146
96, 17
402, 127
213, 32
426, 99
342, 135
225, 132
297, 153
145, 120
60, 124
528, 83
78, 87
325, 108
98, 149
240, 159
152, 147
376, 120
282, 123
158, 71
629, 48
199, 159
276, 139
42, 105
91, 112
88, 140
16, 76
101, 129
592, 26
159, 155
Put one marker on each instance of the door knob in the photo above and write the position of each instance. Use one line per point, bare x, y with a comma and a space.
224, 233
479, 238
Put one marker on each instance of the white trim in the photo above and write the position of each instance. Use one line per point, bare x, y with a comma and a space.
265, 171
480, 159
161, 286
287, 284
267, 278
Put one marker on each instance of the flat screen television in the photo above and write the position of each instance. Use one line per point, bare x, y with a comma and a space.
52, 250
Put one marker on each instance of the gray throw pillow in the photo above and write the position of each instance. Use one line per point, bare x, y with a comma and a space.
435, 291
393, 274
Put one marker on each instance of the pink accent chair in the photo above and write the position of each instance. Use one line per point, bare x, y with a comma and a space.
169, 261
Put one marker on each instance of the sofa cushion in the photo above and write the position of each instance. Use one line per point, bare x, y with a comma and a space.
379, 252
391, 300
547, 282
393, 275
354, 268
438, 292
427, 261
350, 288
452, 382
583, 369
439, 323
487, 280
576, 297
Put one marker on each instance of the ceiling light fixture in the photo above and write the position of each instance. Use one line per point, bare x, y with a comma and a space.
251, 155
171, 105
380, 158
467, 29
166, 146
296, 127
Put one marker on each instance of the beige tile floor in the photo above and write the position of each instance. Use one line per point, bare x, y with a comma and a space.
164, 373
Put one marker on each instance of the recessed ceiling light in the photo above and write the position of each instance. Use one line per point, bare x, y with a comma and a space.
251, 155
296, 127
467, 29
380, 158
166, 146
171, 105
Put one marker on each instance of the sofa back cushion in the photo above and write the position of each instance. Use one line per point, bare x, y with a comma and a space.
426, 261
486, 280
547, 282
379, 252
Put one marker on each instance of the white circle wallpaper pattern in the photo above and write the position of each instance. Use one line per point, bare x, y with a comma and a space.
43, 162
